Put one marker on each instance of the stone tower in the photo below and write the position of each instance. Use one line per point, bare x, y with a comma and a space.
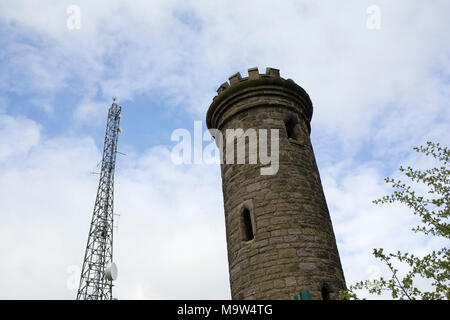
279, 234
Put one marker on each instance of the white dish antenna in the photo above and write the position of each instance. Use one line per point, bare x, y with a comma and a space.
111, 271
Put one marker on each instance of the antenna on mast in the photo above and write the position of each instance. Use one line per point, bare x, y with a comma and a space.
99, 270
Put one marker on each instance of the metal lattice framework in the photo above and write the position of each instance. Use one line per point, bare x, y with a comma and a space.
94, 282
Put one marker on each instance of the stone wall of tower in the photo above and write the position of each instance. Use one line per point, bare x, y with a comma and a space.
294, 247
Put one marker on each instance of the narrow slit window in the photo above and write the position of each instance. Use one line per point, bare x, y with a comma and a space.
325, 293
290, 125
247, 225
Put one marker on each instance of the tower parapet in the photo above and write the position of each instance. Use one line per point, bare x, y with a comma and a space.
255, 86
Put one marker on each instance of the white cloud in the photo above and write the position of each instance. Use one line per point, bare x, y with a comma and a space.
17, 136
360, 80
91, 112
178, 247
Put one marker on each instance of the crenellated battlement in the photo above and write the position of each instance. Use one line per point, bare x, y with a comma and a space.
253, 74
270, 85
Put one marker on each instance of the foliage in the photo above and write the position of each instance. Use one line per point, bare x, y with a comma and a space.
433, 209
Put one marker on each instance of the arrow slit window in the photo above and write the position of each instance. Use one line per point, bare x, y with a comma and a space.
247, 226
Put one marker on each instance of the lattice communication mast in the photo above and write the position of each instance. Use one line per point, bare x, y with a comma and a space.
99, 270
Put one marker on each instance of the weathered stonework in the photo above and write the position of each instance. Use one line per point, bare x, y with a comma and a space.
293, 247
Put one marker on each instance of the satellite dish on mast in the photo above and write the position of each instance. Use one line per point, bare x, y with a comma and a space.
111, 271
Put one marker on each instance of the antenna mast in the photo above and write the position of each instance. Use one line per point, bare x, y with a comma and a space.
99, 269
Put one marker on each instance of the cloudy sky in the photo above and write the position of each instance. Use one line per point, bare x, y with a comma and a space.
379, 85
